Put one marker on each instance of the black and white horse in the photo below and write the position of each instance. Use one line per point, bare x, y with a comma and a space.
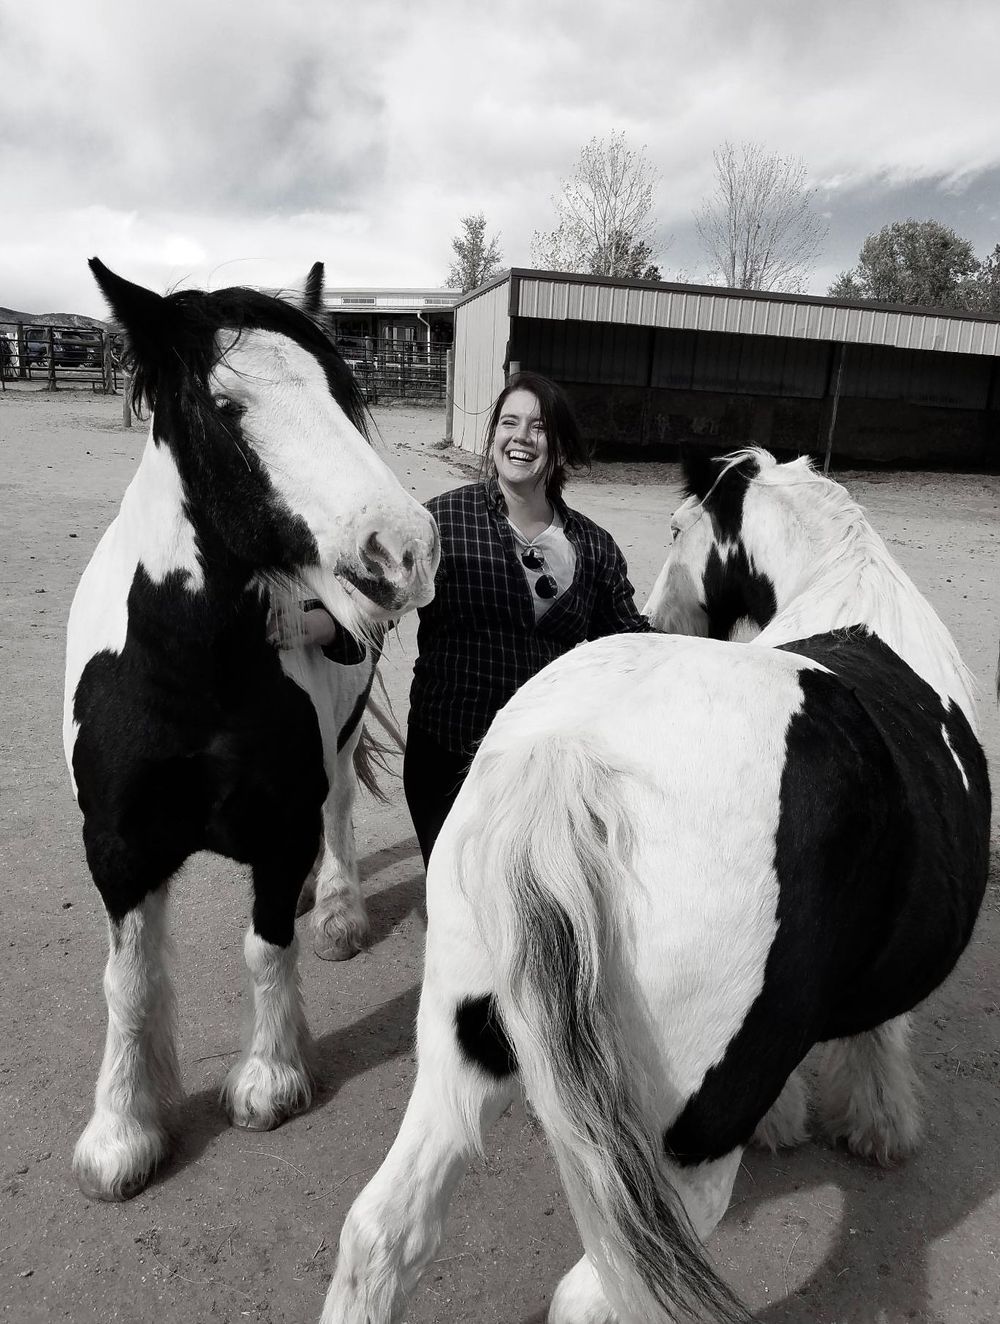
185, 728
677, 864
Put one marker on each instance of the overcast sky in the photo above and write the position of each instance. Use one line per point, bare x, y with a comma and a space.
215, 142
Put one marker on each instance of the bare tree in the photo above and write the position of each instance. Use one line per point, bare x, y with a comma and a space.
604, 221
475, 259
759, 226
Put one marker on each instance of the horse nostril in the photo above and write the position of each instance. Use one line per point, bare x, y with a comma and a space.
408, 560
374, 550
380, 557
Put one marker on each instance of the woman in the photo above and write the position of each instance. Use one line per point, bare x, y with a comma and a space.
523, 579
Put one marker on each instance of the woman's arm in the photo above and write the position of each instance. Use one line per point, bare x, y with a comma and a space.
615, 611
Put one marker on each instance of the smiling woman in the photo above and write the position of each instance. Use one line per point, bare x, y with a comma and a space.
522, 580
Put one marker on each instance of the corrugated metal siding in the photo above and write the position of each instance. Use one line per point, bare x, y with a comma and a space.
583, 352
482, 327
872, 372
697, 311
728, 363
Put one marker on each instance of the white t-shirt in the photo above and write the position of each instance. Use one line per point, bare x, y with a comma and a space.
558, 560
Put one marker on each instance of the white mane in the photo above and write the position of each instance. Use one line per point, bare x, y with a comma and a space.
849, 577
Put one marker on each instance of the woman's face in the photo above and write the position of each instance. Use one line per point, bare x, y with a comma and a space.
520, 447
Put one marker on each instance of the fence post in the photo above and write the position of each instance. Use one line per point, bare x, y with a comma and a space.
449, 396
51, 338
22, 352
107, 370
126, 398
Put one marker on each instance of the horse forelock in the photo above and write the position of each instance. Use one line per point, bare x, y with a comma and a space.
203, 326
722, 496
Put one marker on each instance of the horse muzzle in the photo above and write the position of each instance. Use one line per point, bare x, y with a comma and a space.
394, 568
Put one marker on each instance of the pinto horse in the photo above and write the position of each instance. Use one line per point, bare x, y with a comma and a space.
677, 863
185, 728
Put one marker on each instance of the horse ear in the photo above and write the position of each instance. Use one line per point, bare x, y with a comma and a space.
312, 298
700, 469
136, 308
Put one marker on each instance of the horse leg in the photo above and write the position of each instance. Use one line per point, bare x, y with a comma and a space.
871, 1092
394, 1227
272, 1080
139, 1079
579, 1298
339, 921
705, 1191
786, 1123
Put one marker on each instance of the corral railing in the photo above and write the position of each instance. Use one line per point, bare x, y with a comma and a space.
54, 354
398, 370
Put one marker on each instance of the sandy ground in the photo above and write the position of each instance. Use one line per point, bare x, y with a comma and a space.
244, 1226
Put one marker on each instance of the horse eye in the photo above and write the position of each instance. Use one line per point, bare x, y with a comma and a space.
225, 404
674, 531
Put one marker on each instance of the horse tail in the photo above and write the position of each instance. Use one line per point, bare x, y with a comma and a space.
371, 754
553, 868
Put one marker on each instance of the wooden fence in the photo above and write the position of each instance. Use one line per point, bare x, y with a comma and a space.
398, 370
60, 354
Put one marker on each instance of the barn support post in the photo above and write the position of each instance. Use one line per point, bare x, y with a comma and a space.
449, 396
838, 376
51, 340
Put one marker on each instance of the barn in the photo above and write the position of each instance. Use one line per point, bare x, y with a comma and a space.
650, 366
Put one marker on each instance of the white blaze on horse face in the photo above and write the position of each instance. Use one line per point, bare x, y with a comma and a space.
325, 472
675, 606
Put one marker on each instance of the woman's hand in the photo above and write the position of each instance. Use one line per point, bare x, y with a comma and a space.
313, 626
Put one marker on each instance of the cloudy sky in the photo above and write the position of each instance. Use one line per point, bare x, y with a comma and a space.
218, 142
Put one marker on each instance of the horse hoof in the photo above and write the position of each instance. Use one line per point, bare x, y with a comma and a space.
342, 947
259, 1095
116, 1162
337, 939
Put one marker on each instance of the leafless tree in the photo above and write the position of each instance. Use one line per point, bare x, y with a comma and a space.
759, 226
475, 259
604, 212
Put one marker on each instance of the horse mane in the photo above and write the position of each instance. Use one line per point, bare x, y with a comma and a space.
195, 319
853, 579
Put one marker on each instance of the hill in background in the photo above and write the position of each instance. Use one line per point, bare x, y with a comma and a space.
51, 319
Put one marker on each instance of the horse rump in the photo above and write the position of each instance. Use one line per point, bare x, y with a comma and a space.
547, 910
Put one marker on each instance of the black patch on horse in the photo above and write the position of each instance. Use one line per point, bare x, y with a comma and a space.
881, 857
192, 739
722, 497
734, 591
483, 1038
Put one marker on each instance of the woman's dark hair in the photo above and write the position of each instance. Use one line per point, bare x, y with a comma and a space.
567, 448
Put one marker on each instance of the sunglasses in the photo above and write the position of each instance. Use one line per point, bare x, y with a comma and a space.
545, 586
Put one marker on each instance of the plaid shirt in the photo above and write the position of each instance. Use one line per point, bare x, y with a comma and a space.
478, 640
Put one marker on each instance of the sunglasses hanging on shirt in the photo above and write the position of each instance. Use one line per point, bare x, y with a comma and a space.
545, 585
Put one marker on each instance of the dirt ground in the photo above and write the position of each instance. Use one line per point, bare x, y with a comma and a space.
244, 1226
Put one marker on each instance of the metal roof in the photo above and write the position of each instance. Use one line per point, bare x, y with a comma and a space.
559, 296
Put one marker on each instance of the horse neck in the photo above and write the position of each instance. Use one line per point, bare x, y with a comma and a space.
861, 584
155, 531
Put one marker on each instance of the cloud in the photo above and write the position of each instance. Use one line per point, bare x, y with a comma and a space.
175, 138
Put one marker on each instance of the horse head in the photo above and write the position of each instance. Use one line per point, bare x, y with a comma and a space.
711, 584
265, 426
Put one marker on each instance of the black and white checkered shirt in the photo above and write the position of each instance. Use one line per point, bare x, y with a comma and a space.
478, 641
